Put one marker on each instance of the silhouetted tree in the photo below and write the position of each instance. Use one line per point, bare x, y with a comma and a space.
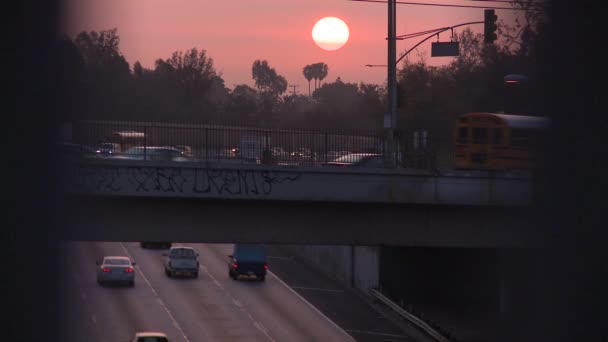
318, 71
73, 71
267, 80
242, 105
101, 53
138, 70
309, 75
186, 88
337, 105
106, 80
321, 70
192, 67
293, 111
270, 85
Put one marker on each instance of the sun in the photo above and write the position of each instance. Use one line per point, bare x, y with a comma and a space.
330, 33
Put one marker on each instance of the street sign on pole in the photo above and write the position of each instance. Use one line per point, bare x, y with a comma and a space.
445, 49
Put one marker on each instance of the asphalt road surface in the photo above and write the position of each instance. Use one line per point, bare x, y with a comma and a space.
213, 307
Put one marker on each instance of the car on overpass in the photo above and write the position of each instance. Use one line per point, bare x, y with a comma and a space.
107, 148
150, 336
73, 151
333, 155
369, 160
186, 150
154, 153
115, 269
181, 261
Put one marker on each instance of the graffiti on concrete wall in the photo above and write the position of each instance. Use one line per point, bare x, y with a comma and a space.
207, 181
239, 182
156, 179
97, 179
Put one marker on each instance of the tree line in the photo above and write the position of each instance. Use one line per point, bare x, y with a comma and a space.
186, 87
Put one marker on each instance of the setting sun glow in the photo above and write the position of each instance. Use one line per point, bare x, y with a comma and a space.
330, 33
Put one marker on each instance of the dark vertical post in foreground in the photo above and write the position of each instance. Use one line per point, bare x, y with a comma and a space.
390, 120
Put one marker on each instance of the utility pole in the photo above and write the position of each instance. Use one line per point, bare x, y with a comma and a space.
390, 119
294, 86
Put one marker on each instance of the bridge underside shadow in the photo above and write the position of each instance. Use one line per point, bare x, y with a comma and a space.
100, 218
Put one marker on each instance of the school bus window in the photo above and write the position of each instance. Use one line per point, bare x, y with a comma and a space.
519, 138
497, 136
480, 135
463, 132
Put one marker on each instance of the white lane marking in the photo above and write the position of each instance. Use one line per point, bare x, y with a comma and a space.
315, 289
312, 306
160, 301
376, 333
260, 326
238, 304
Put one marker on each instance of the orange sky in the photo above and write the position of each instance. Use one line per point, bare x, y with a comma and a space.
235, 33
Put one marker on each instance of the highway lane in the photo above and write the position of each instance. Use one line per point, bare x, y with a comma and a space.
210, 308
103, 314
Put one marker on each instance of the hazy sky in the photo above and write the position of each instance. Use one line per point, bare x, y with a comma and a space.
235, 33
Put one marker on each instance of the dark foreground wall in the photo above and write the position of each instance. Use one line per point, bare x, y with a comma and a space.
31, 97
569, 283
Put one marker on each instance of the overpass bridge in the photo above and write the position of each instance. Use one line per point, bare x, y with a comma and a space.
130, 200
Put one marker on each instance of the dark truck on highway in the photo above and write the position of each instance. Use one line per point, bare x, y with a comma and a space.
248, 260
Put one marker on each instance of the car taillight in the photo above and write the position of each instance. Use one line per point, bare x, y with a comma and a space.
235, 265
129, 270
106, 270
265, 266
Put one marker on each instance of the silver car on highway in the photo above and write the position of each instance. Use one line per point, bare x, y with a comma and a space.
181, 261
115, 269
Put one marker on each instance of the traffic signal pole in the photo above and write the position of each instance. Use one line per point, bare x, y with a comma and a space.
390, 120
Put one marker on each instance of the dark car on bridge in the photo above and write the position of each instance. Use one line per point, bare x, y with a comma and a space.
73, 151
248, 260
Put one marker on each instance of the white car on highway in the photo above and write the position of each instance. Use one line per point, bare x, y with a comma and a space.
115, 269
150, 337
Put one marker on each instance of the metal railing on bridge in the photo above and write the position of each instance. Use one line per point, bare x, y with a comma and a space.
230, 144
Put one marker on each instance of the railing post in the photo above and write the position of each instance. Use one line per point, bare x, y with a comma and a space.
145, 141
325, 148
206, 144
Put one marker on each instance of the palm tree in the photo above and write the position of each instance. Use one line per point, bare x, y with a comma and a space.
323, 69
308, 74
319, 72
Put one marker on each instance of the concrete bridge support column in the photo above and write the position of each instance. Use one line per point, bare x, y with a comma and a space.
517, 303
354, 266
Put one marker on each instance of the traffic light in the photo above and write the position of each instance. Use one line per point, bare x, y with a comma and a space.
489, 29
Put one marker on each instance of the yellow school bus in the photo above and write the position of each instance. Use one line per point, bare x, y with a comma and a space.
490, 141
